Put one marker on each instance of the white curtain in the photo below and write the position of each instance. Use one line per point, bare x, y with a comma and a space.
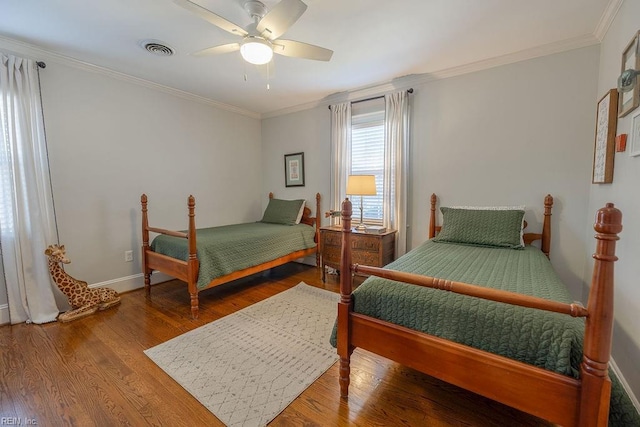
396, 165
340, 154
27, 219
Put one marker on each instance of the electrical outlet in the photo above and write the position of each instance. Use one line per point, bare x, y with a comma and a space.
128, 256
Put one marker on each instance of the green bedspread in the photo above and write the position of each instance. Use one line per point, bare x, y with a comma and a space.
548, 340
223, 250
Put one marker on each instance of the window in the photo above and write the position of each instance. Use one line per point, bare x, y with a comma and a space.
367, 153
372, 137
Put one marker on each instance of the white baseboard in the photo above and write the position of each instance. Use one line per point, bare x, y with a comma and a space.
625, 384
122, 284
130, 283
4, 314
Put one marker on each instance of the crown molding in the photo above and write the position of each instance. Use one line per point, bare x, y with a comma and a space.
40, 54
400, 83
406, 82
607, 18
523, 55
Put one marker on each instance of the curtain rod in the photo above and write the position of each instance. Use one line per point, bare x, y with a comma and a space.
410, 90
40, 64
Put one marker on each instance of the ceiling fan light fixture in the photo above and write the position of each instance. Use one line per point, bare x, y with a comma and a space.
256, 50
260, 38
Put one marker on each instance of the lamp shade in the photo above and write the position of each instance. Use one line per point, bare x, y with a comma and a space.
361, 185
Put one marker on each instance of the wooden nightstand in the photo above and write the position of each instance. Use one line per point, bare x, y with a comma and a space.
376, 250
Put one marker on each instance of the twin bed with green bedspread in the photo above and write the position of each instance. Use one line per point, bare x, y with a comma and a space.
223, 250
503, 330
208, 257
548, 340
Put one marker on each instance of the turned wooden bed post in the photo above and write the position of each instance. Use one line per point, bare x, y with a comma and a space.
344, 306
596, 385
545, 246
192, 262
432, 217
145, 246
318, 225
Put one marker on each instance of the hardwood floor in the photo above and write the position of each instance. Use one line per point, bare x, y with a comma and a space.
93, 371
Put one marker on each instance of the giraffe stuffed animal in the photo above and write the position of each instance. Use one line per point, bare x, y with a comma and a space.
83, 300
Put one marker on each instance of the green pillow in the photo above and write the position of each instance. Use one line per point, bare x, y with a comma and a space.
500, 228
282, 211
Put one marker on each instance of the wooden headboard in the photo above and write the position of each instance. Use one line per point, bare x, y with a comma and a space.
314, 221
544, 237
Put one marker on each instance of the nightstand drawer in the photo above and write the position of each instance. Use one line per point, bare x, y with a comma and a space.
366, 258
332, 239
364, 243
367, 243
376, 250
331, 254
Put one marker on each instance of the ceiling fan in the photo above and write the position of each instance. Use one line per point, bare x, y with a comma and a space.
260, 39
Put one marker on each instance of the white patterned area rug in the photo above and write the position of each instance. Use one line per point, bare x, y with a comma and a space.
248, 366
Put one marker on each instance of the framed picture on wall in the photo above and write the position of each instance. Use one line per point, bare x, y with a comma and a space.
635, 135
294, 170
630, 61
604, 147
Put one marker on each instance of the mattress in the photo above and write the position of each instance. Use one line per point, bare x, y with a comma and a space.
223, 250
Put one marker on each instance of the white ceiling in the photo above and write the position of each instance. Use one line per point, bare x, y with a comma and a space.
374, 41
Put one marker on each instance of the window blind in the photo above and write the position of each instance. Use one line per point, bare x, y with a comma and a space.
367, 156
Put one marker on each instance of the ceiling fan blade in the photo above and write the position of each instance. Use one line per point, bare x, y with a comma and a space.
207, 15
282, 16
301, 50
216, 50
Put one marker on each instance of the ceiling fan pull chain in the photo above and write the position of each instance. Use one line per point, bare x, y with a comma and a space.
268, 76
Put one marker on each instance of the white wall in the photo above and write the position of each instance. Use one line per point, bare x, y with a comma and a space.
510, 135
625, 193
305, 131
110, 139
507, 135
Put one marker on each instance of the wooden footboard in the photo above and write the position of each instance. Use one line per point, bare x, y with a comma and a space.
555, 397
187, 271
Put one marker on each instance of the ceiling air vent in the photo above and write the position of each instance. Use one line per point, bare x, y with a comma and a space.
157, 47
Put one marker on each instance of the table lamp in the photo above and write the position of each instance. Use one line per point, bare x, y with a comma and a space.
361, 185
